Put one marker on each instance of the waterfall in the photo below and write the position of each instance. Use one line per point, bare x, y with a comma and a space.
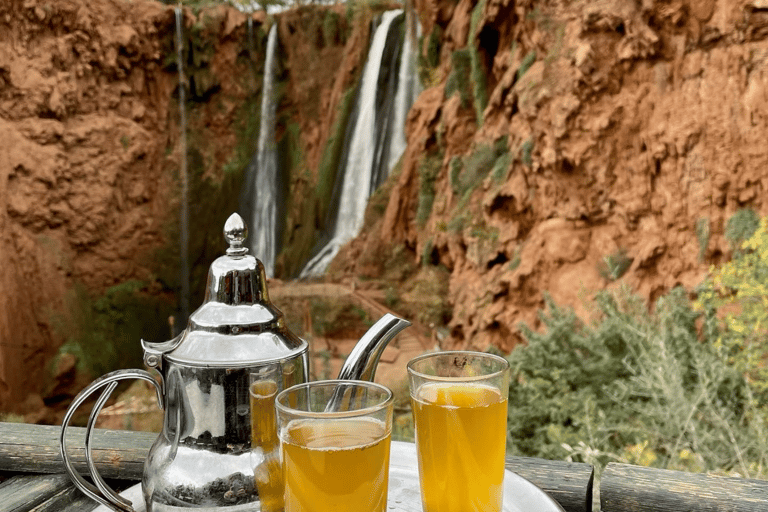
407, 90
357, 172
183, 178
262, 170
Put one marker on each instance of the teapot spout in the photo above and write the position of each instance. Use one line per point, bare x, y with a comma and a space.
361, 363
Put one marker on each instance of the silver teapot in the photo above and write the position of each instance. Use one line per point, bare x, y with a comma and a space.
209, 453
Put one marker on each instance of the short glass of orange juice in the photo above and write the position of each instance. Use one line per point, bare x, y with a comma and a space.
459, 401
334, 444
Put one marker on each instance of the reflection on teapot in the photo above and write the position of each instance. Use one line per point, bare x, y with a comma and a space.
218, 381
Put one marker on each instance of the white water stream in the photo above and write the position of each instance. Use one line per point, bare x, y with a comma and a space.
264, 223
358, 168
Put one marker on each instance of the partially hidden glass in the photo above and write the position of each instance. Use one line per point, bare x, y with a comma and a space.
335, 440
459, 401
265, 444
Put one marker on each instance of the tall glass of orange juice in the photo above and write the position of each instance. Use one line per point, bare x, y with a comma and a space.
459, 404
334, 444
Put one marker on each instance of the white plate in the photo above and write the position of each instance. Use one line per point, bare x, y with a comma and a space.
520, 495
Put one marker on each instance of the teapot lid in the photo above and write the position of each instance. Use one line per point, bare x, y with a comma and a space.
236, 325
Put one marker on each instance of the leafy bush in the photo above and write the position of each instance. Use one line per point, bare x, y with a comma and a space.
634, 386
614, 265
741, 226
739, 290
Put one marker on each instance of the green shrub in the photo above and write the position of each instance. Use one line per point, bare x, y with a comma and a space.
501, 167
459, 79
634, 386
614, 265
739, 290
741, 226
330, 317
526, 152
472, 169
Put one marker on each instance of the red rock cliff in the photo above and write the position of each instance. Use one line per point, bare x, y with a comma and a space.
634, 128
603, 128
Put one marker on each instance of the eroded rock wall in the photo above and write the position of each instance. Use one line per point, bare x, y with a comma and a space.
629, 124
89, 159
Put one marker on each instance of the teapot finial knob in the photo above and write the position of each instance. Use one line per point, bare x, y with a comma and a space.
235, 232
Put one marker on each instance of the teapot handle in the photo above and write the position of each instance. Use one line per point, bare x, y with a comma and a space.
102, 492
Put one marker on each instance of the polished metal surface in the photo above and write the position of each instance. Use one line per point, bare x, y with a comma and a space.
204, 456
364, 358
237, 324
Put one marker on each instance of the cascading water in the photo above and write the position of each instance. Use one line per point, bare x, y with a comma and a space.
261, 175
407, 90
183, 178
358, 168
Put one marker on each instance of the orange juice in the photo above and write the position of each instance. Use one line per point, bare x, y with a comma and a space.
268, 474
339, 465
461, 444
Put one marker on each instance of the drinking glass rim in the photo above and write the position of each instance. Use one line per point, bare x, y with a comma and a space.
390, 398
485, 376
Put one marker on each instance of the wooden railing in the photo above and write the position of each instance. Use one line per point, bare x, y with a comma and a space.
33, 451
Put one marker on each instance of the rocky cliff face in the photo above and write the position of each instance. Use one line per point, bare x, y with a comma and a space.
630, 133
89, 165
89, 171
551, 137
83, 120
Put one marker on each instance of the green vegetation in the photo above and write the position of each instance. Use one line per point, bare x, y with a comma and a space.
741, 226
429, 168
428, 61
614, 265
104, 332
329, 162
329, 317
526, 63
739, 290
459, 79
467, 173
479, 93
526, 152
640, 387
503, 161
702, 236
332, 32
